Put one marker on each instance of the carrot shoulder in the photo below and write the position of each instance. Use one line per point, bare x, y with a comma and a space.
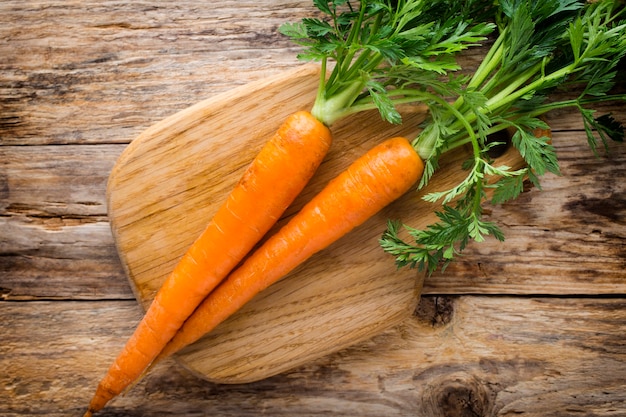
373, 181
271, 182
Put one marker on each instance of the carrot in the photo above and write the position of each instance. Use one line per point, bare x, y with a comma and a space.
370, 50
374, 180
271, 182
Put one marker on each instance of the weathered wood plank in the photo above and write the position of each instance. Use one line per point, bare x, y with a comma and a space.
56, 181
459, 356
130, 64
70, 261
55, 239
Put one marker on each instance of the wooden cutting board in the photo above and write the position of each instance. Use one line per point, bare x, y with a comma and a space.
169, 181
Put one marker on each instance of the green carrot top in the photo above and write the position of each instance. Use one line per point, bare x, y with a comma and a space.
380, 46
541, 48
390, 52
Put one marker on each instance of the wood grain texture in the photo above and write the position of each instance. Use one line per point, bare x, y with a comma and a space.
55, 236
457, 356
80, 80
116, 59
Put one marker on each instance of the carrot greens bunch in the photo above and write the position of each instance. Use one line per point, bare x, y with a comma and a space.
380, 46
541, 50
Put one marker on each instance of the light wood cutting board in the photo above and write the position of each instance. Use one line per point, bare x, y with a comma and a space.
169, 181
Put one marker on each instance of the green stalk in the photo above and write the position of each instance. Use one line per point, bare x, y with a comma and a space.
539, 110
367, 104
489, 62
356, 27
425, 148
500, 100
359, 65
321, 88
329, 110
513, 93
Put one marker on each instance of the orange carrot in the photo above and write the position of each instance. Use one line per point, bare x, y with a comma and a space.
272, 181
374, 180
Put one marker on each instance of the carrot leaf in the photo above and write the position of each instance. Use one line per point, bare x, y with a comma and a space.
565, 46
369, 44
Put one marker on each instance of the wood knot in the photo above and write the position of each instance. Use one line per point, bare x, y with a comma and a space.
457, 395
435, 311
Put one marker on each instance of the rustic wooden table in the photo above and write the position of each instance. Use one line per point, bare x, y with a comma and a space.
535, 326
